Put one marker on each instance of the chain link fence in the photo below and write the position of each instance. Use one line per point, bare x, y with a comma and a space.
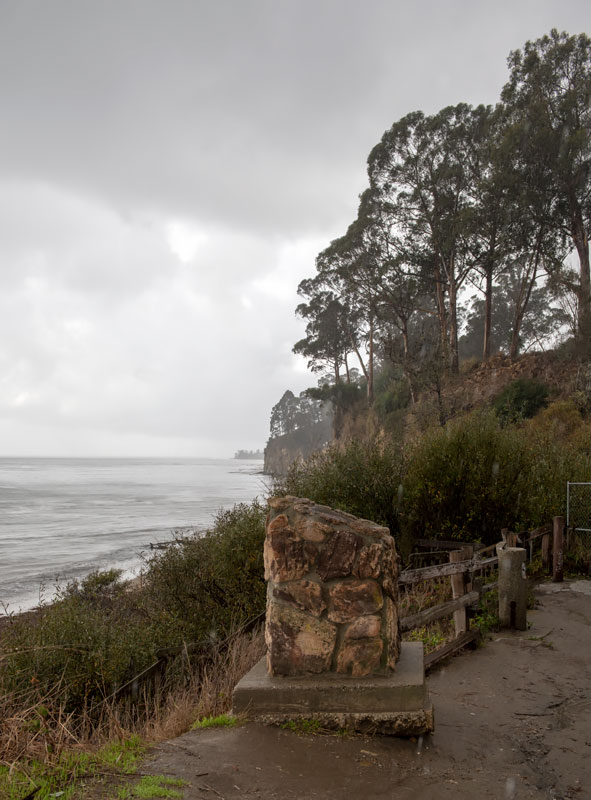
578, 512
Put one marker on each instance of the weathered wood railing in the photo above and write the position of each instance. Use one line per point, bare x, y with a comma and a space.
465, 561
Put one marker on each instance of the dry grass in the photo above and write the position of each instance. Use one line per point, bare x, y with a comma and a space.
37, 728
207, 693
423, 595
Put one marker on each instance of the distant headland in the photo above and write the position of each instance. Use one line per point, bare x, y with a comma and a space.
249, 454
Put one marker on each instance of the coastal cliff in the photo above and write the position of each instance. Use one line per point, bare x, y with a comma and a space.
281, 451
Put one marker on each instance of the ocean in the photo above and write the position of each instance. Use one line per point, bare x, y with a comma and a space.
65, 517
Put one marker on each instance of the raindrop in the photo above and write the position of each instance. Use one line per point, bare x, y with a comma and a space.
419, 745
510, 788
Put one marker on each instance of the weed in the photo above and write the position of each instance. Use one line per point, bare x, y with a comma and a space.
486, 617
221, 721
152, 786
302, 726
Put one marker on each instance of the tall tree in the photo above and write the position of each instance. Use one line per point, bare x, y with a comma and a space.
424, 167
548, 101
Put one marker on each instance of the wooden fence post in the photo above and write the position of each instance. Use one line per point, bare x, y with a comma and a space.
546, 550
458, 587
558, 550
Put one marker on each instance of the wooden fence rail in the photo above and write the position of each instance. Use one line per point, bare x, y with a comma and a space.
465, 561
466, 595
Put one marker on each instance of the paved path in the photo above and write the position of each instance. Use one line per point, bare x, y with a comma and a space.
512, 720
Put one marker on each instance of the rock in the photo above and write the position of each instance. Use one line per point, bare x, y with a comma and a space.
369, 563
280, 503
390, 588
369, 529
364, 628
311, 530
392, 633
337, 555
360, 657
286, 558
297, 643
354, 599
306, 595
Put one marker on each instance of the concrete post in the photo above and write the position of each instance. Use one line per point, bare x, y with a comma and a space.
512, 587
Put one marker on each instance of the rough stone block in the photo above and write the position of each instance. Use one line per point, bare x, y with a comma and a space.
306, 595
360, 657
338, 555
297, 643
353, 599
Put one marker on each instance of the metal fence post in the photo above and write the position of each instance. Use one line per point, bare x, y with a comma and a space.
558, 550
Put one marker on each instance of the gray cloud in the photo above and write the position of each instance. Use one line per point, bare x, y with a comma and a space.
169, 171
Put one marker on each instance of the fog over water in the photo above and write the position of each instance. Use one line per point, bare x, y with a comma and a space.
63, 518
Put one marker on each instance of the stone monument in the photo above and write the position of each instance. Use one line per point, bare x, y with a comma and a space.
333, 642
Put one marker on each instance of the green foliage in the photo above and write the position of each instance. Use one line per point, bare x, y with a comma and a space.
151, 786
64, 776
342, 395
391, 392
221, 721
465, 481
486, 618
302, 726
360, 478
203, 586
99, 634
520, 400
88, 640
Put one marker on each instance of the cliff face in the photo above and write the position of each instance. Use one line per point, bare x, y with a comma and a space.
282, 451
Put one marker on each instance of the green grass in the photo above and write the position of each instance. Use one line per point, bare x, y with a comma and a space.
302, 725
152, 786
73, 771
221, 721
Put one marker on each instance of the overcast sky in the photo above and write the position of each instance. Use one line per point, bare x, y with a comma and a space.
168, 172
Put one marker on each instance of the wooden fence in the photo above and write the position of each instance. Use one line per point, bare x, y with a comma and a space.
466, 568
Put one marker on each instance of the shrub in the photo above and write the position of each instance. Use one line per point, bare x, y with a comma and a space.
465, 481
203, 586
520, 400
360, 478
100, 633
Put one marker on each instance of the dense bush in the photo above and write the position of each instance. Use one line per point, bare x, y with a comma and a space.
361, 478
521, 399
202, 586
473, 477
100, 633
465, 481
86, 643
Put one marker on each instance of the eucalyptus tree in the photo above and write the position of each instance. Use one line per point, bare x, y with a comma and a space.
490, 214
327, 333
548, 105
424, 167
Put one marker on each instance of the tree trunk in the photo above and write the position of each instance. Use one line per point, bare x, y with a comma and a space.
454, 364
370, 365
487, 314
584, 294
527, 284
441, 310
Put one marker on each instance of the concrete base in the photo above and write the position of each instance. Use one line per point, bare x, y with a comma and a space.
395, 704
